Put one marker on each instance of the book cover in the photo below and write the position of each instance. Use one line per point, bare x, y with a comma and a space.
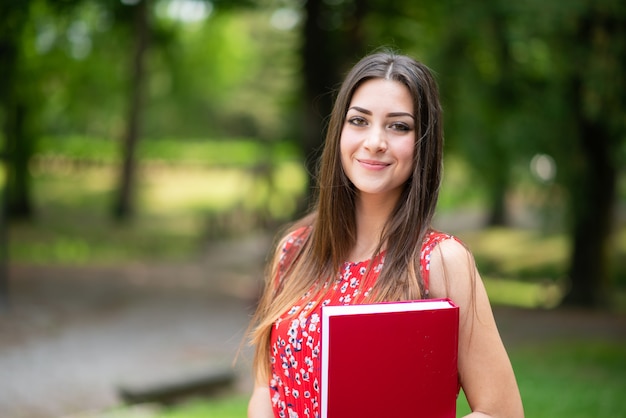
390, 360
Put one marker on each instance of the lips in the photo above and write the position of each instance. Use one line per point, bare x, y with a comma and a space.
373, 164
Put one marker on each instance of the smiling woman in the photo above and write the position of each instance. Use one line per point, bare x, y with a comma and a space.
377, 139
370, 239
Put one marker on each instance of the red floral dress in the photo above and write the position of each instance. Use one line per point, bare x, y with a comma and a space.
295, 341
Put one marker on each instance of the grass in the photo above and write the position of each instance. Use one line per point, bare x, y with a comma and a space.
235, 406
177, 208
224, 407
573, 379
202, 151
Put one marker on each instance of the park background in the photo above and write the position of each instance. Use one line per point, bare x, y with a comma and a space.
155, 147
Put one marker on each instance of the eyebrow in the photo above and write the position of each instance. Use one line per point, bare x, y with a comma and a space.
393, 114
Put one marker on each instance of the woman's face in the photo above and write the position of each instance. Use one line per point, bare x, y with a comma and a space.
378, 137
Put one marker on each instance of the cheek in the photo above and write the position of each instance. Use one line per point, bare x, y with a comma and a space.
406, 150
346, 146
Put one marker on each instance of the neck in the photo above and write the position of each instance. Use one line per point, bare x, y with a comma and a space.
372, 212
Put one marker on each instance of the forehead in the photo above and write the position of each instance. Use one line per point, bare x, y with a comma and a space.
383, 93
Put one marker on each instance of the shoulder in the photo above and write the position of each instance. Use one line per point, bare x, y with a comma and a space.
294, 238
443, 247
290, 245
453, 250
450, 263
285, 252
296, 234
436, 244
433, 242
433, 238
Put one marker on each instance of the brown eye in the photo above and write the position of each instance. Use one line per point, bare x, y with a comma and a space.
357, 121
400, 126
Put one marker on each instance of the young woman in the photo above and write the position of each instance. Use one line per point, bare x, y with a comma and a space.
369, 239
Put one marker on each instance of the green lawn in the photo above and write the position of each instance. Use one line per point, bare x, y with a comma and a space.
570, 379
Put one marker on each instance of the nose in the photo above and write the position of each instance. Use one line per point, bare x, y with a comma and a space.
376, 140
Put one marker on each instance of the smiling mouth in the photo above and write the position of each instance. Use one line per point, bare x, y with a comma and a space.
373, 164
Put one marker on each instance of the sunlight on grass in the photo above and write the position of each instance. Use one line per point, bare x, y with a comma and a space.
224, 407
234, 407
78, 188
79, 239
73, 225
218, 189
58, 151
290, 177
523, 294
175, 208
182, 189
572, 379
508, 252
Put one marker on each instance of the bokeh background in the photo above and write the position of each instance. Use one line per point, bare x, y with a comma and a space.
151, 149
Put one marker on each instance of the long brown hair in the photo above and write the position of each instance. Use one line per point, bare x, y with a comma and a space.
331, 231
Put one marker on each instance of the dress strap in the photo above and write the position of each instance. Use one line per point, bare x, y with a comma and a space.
431, 240
290, 248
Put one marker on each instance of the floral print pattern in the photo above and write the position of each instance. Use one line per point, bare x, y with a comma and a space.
295, 341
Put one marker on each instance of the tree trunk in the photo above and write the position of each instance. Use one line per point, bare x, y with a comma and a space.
13, 102
506, 103
317, 80
16, 197
498, 213
324, 53
593, 202
593, 190
19, 149
123, 208
4, 243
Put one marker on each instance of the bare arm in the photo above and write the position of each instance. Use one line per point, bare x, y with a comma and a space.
260, 405
485, 371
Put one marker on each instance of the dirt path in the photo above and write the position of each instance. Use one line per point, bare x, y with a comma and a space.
74, 335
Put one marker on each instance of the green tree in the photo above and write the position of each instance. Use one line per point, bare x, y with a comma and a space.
551, 79
593, 86
16, 108
332, 40
27, 34
484, 87
19, 111
141, 29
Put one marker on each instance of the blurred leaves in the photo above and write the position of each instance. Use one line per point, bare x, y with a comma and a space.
516, 80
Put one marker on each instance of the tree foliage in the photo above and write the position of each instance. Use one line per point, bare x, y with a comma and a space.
518, 80
547, 77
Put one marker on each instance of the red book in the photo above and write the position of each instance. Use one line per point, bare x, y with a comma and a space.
394, 360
